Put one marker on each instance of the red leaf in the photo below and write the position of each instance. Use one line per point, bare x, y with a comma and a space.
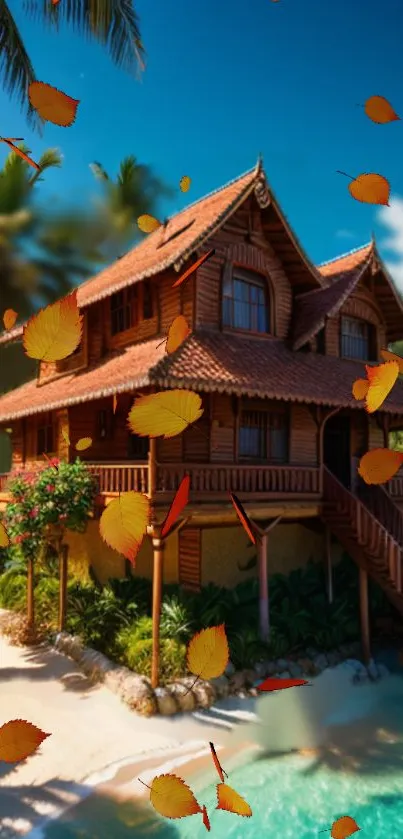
281, 684
178, 504
217, 763
193, 267
206, 820
243, 518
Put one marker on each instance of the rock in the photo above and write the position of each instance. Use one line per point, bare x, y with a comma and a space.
137, 693
237, 681
294, 669
241, 694
372, 671
115, 678
357, 666
254, 692
221, 686
166, 701
383, 671
281, 664
312, 652
270, 668
249, 677
205, 694
333, 659
70, 645
320, 662
307, 666
183, 696
260, 669
229, 670
285, 675
360, 678
95, 665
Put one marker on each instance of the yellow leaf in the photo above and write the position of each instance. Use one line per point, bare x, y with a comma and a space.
229, 800
379, 465
9, 318
114, 403
4, 537
124, 521
55, 332
164, 414
65, 435
53, 105
360, 388
185, 183
208, 653
19, 739
172, 798
178, 331
391, 356
370, 188
381, 380
83, 444
380, 110
344, 827
147, 223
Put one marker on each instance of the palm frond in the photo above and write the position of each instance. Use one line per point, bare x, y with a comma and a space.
50, 158
98, 171
16, 69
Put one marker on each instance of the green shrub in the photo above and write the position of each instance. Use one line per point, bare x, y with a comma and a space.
133, 647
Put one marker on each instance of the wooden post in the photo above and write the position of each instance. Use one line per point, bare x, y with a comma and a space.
158, 566
30, 593
152, 468
264, 615
63, 554
329, 568
364, 616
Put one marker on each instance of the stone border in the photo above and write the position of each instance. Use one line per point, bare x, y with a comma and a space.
183, 696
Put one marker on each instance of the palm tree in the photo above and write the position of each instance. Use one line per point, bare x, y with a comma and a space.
113, 23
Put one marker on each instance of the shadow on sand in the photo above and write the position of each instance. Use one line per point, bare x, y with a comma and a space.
47, 664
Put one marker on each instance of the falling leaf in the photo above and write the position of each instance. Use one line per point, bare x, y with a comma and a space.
20, 153
391, 356
4, 537
185, 183
344, 827
193, 268
114, 403
217, 763
243, 518
206, 820
147, 223
229, 800
123, 523
9, 318
379, 465
178, 331
8, 430
380, 110
360, 388
83, 444
19, 739
55, 332
381, 380
281, 684
55, 2
370, 188
178, 504
52, 105
65, 435
172, 798
164, 414
208, 653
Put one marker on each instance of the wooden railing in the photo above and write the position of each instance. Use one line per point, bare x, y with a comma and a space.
120, 477
381, 504
395, 486
221, 478
367, 531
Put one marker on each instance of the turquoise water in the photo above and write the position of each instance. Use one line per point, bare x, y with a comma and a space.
357, 770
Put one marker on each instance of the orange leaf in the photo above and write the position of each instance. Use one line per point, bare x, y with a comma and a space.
381, 380
19, 739
147, 223
55, 2
65, 435
229, 800
4, 537
21, 153
114, 403
370, 188
208, 653
185, 183
178, 504
217, 763
53, 105
172, 798
193, 268
344, 827
55, 332
380, 110
206, 820
243, 518
83, 444
9, 318
164, 414
379, 465
360, 388
123, 523
391, 356
178, 331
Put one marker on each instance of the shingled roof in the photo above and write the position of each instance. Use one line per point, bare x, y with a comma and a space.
209, 362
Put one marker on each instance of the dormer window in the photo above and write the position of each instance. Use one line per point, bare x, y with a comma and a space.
245, 301
124, 309
357, 339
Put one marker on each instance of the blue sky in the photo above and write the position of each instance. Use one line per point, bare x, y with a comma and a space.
225, 80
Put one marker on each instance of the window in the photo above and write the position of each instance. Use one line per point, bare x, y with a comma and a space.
357, 339
104, 424
137, 447
263, 435
45, 438
124, 312
245, 301
148, 308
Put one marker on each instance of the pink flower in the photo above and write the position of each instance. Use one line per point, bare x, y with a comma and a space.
63, 517
50, 487
18, 539
33, 513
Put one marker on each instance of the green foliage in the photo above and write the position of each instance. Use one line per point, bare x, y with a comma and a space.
97, 615
134, 648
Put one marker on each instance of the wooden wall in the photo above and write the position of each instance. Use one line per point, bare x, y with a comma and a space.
362, 305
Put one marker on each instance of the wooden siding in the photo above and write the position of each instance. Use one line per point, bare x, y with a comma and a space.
359, 432
62, 434
362, 304
83, 422
375, 438
222, 429
18, 443
189, 549
303, 436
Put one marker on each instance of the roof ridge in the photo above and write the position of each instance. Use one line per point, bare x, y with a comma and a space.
252, 171
343, 255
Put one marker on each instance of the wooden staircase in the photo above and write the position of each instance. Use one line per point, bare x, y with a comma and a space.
370, 529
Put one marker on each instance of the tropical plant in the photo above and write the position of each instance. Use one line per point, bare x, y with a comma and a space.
113, 23
134, 648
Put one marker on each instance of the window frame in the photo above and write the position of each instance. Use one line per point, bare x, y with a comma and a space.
249, 278
266, 427
128, 308
348, 338
46, 423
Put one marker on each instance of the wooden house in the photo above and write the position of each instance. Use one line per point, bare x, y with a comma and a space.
276, 344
